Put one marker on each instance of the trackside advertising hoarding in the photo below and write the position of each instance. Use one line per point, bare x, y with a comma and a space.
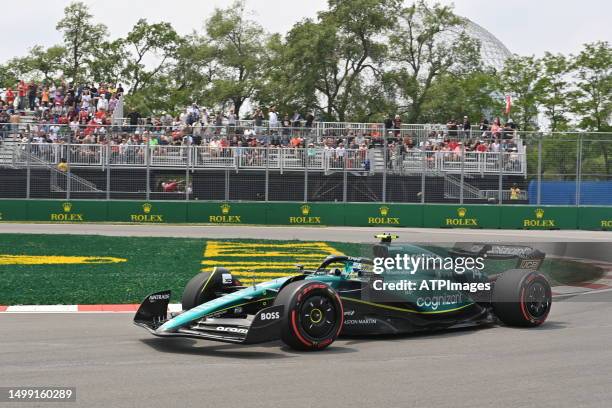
311, 214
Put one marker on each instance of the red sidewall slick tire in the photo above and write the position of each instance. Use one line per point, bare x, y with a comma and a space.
522, 298
312, 316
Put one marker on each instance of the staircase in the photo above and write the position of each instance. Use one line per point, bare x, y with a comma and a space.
12, 137
377, 160
452, 188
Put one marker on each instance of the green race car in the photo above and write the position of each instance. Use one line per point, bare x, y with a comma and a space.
347, 296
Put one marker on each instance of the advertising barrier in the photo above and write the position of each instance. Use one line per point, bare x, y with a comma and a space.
311, 214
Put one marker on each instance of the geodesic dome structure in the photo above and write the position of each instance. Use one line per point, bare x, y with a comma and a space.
492, 51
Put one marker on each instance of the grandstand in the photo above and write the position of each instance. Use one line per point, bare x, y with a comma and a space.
359, 162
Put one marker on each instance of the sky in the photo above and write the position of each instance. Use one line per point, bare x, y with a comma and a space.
526, 27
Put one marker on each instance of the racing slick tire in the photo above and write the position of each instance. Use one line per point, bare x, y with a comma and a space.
522, 298
202, 288
312, 315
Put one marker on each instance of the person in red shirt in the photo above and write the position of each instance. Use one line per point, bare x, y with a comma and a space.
101, 114
22, 89
170, 186
10, 97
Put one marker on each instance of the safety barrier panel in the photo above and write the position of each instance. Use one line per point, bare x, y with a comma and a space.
310, 214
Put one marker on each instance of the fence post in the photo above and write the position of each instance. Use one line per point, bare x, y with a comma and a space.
189, 152
424, 169
462, 174
69, 171
306, 157
267, 171
28, 172
227, 178
578, 168
539, 186
385, 158
108, 172
344, 178
148, 177
500, 192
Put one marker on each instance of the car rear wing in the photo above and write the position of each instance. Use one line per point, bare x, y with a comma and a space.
526, 256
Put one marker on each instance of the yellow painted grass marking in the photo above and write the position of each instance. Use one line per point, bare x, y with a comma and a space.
56, 260
271, 254
231, 249
232, 256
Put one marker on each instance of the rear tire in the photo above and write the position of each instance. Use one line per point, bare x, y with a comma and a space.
202, 288
312, 315
522, 298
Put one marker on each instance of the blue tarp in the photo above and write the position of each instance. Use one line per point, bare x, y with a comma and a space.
564, 192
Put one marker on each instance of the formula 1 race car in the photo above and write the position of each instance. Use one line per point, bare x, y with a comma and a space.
346, 296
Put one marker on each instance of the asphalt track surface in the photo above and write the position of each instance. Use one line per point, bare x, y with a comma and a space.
565, 363
343, 234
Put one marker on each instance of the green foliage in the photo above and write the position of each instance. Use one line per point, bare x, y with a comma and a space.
234, 45
158, 40
81, 37
592, 100
424, 54
552, 89
519, 78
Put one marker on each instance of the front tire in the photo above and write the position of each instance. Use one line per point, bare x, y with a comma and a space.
312, 316
202, 288
522, 298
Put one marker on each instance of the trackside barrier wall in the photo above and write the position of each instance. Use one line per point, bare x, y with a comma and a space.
292, 213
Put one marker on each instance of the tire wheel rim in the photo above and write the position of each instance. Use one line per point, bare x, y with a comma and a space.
318, 317
537, 299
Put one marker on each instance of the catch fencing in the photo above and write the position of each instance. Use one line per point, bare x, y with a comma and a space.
345, 163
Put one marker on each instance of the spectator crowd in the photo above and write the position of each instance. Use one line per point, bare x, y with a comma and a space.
82, 114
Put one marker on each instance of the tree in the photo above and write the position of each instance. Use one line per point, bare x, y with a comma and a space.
8, 75
108, 62
452, 96
328, 59
81, 37
552, 90
144, 43
519, 78
46, 61
238, 49
593, 99
428, 43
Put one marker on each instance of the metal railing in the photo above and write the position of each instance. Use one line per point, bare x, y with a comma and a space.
545, 169
254, 158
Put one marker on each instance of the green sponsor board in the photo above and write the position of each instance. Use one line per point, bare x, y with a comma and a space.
595, 218
313, 214
13, 210
305, 214
538, 217
147, 212
66, 210
383, 215
226, 213
460, 216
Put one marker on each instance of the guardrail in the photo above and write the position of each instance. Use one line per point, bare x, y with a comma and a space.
256, 158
